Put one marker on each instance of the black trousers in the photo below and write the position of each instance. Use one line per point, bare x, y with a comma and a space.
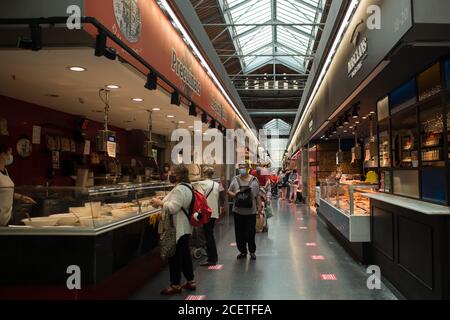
181, 262
211, 248
245, 229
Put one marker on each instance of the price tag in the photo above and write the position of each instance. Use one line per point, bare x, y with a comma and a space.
87, 148
36, 135
111, 147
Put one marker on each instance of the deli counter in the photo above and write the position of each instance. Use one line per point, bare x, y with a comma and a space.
348, 208
100, 229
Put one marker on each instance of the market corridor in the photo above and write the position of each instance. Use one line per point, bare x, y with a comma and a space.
285, 268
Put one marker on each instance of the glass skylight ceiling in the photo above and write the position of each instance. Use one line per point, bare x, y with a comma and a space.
273, 31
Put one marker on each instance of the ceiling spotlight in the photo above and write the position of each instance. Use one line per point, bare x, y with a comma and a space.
152, 81
156, 109
192, 110
364, 118
372, 112
181, 122
111, 53
170, 116
347, 118
175, 98
76, 69
112, 86
204, 118
137, 99
355, 112
100, 44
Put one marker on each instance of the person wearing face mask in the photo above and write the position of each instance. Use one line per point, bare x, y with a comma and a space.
173, 204
165, 173
7, 195
244, 189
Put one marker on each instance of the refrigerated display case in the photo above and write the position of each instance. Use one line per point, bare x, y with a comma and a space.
347, 208
101, 229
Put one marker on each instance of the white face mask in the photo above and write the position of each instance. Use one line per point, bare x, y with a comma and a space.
9, 161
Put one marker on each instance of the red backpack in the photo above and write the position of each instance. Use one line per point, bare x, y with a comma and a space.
199, 212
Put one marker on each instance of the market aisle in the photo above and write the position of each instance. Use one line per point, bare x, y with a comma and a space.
285, 269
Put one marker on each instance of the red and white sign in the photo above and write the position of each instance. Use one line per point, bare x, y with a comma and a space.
328, 277
191, 297
216, 267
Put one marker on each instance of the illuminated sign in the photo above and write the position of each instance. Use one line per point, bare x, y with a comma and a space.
185, 73
356, 62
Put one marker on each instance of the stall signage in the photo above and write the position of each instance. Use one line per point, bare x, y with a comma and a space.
185, 73
155, 39
219, 110
356, 62
128, 17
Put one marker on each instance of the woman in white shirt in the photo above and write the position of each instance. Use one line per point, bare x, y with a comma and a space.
7, 195
180, 197
211, 191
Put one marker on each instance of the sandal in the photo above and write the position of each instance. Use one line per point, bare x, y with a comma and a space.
171, 290
191, 286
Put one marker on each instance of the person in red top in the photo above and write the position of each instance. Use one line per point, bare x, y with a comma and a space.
262, 178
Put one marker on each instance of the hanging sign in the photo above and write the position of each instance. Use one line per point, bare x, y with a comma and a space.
356, 62
185, 73
111, 146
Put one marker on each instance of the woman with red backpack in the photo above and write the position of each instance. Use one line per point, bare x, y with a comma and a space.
175, 204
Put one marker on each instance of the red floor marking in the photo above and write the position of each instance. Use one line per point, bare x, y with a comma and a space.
216, 267
328, 277
318, 257
233, 244
311, 244
196, 297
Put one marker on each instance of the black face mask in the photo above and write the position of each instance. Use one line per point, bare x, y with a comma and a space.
173, 179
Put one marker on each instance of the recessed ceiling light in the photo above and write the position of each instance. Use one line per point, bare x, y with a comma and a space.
138, 99
77, 69
170, 116
156, 109
112, 86
372, 112
191, 127
364, 118
181, 122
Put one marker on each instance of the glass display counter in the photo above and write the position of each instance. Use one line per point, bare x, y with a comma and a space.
72, 210
347, 208
101, 229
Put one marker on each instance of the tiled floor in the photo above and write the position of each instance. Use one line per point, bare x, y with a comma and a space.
298, 259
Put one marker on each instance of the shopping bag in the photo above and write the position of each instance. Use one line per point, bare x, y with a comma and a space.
260, 223
167, 236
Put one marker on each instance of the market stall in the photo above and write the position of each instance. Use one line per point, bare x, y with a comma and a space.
390, 96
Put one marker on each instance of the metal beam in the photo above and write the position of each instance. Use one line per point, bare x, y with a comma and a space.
310, 6
267, 24
266, 55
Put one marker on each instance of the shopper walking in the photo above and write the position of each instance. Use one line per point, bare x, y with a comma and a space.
244, 189
211, 190
173, 204
274, 184
284, 184
293, 184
